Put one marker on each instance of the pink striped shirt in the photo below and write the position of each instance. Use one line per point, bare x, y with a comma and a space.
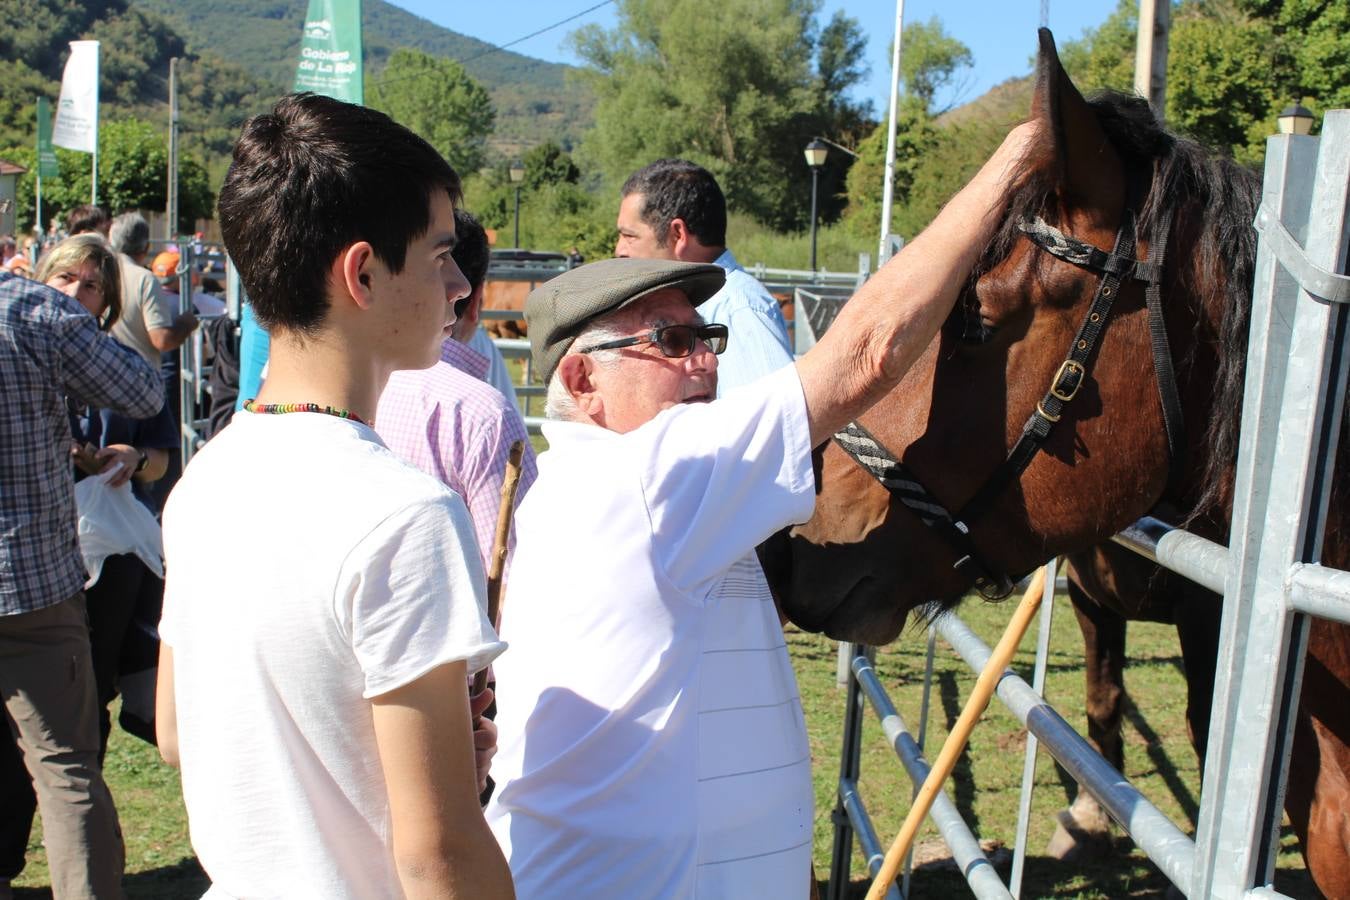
457, 429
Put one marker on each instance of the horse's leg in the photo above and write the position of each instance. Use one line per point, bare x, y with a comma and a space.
1318, 795
1084, 829
1198, 629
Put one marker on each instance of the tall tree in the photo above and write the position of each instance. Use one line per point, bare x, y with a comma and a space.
730, 85
438, 100
1232, 64
841, 64
926, 162
133, 163
931, 60
549, 164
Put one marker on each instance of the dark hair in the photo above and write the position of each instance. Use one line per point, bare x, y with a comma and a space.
87, 217
471, 254
309, 179
471, 248
678, 189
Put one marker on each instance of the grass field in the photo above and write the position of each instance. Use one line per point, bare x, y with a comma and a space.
1160, 762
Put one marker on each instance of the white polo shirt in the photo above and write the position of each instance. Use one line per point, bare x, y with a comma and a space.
651, 736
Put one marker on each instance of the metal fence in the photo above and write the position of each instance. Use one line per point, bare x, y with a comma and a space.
1271, 579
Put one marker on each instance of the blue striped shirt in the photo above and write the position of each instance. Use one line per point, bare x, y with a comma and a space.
51, 348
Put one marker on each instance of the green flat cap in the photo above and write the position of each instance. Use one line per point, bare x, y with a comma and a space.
557, 310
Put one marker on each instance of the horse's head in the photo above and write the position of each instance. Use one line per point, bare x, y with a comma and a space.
865, 560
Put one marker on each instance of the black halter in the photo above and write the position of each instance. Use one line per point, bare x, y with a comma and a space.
1114, 267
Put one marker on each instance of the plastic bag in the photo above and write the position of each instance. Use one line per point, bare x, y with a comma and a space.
113, 521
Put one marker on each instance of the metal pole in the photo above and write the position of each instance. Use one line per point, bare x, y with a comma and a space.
516, 243
815, 178
171, 209
1150, 54
1029, 763
888, 193
976, 703
850, 756
93, 176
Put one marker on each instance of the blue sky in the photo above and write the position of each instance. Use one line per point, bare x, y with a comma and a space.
1001, 34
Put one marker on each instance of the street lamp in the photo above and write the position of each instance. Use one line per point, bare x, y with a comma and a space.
1295, 119
517, 173
816, 151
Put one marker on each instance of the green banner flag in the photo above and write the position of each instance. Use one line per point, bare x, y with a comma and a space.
330, 51
47, 166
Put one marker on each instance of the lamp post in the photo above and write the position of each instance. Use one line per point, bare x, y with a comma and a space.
816, 151
517, 173
1295, 119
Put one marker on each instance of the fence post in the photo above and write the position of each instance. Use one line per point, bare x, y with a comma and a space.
850, 759
1295, 383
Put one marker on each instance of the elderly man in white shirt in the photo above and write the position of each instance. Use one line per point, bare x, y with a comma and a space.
651, 737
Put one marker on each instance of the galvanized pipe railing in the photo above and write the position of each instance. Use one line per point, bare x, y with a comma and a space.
1169, 848
979, 872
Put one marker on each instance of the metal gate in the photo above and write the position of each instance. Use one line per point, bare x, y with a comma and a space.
1270, 579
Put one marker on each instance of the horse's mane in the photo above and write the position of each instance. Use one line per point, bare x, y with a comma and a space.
1212, 198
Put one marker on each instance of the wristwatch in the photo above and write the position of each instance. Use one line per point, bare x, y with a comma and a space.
145, 458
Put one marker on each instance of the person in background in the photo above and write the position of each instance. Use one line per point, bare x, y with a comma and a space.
19, 265
152, 325
84, 268
135, 451
673, 209
476, 354
165, 268
317, 697
88, 219
51, 349
448, 420
9, 248
149, 323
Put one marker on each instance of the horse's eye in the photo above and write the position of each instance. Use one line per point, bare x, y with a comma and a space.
977, 332
972, 328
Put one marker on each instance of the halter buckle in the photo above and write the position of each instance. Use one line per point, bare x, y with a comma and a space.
1068, 369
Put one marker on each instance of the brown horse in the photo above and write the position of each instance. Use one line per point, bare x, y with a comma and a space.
866, 559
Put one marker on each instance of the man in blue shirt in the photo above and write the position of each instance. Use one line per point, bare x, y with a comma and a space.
673, 209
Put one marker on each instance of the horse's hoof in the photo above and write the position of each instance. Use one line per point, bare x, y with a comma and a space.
1080, 836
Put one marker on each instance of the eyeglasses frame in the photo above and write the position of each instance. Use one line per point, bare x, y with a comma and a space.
702, 333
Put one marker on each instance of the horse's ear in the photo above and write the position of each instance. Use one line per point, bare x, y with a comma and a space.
1089, 167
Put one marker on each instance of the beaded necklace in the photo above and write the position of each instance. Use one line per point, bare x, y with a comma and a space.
254, 406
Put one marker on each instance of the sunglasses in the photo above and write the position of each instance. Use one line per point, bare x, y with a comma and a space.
674, 341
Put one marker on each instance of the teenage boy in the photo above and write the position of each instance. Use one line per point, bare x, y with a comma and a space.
314, 691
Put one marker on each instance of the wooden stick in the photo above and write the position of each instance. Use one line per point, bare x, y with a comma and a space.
960, 735
497, 560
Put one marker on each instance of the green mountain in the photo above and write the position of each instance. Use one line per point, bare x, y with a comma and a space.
535, 100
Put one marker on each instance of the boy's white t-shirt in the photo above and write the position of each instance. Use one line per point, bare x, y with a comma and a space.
349, 573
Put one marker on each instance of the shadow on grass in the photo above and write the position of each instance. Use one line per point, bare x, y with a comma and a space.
182, 879
1157, 754
1042, 877
1124, 873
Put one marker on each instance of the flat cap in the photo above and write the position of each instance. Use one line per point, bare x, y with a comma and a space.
559, 309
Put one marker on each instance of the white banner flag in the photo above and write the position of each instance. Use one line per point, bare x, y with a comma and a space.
77, 111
